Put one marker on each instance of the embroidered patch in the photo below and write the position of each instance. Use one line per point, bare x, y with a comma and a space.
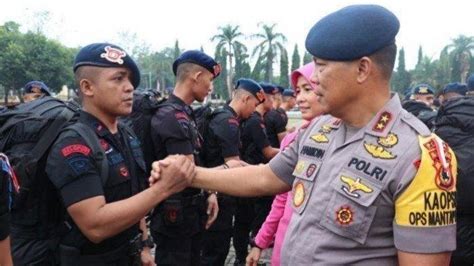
233, 121
379, 152
310, 171
113, 55
75, 148
181, 115
298, 194
320, 138
438, 152
382, 121
345, 215
325, 129
389, 141
312, 152
115, 159
368, 168
124, 171
171, 215
300, 166
79, 164
353, 186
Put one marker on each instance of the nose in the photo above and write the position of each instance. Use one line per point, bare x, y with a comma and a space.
129, 86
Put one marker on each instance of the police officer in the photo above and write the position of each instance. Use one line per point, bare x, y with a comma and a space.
452, 91
367, 178
6, 190
275, 118
288, 100
177, 224
222, 144
256, 149
424, 93
97, 219
35, 89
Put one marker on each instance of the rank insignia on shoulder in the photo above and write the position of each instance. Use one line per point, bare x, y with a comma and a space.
354, 185
298, 194
344, 215
320, 138
113, 55
379, 152
389, 141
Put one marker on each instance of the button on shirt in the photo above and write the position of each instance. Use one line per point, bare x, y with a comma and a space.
358, 200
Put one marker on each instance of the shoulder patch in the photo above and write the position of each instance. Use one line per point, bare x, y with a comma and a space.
75, 148
430, 199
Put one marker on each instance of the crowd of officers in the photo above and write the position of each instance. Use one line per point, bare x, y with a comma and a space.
109, 224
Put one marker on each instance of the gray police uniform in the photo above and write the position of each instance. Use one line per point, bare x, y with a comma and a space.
358, 199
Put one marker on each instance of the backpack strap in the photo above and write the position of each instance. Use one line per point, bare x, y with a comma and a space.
92, 141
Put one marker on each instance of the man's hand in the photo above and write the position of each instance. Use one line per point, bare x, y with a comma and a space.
157, 165
173, 174
253, 257
147, 258
212, 210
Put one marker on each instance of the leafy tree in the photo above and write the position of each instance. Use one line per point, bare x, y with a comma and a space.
284, 79
461, 55
220, 84
270, 46
177, 51
295, 59
228, 40
242, 67
401, 78
307, 58
420, 55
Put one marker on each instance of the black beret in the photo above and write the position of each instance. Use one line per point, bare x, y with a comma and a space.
470, 83
455, 87
352, 32
107, 55
28, 88
198, 58
251, 86
280, 89
269, 88
289, 92
423, 89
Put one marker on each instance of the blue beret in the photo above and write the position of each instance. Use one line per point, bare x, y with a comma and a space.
456, 87
251, 86
107, 55
470, 83
269, 88
289, 92
280, 89
423, 89
198, 58
28, 88
352, 32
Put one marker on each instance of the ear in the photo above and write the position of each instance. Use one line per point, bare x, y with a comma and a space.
197, 75
85, 85
364, 69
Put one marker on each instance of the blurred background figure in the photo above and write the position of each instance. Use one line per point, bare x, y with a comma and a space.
35, 89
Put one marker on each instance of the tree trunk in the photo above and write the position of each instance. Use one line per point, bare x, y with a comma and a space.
230, 73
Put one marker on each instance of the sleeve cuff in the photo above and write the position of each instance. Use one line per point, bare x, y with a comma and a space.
82, 188
415, 239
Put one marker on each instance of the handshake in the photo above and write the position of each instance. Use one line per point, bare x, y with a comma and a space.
176, 172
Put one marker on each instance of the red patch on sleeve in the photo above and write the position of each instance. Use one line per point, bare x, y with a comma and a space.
75, 148
181, 115
417, 163
233, 121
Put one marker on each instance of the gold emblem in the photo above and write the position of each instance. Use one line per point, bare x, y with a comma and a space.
378, 151
298, 195
345, 215
320, 138
300, 166
325, 129
354, 185
423, 90
389, 141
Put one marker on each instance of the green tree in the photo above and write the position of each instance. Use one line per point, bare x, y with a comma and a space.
420, 55
284, 79
461, 55
401, 78
228, 40
307, 58
242, 67
295, 59
220, 84
177, 51
270, 46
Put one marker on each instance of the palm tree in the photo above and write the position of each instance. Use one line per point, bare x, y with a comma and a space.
269, 48
461, 52
228, 40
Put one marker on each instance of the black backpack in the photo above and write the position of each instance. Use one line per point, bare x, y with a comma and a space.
27, 133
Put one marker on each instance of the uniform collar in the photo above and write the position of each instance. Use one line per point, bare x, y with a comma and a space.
176, 100
99, 128
228, 107
382, 123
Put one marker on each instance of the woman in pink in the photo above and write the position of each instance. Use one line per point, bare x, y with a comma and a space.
274, 228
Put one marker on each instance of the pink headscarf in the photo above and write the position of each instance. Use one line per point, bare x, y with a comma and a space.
306, 71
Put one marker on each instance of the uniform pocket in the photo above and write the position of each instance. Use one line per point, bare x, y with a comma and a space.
305, 174
350, 210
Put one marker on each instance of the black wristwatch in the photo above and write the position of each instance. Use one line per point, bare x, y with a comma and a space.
148, 243
254, 244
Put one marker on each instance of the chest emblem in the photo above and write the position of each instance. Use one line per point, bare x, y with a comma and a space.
379, 152
300, 166
320, 138
353, 186
389, 141
345, 215
298, 194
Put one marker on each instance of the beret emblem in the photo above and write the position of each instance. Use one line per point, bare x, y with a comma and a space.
113, 55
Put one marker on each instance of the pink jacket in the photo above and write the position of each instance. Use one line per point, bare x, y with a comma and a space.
279, 217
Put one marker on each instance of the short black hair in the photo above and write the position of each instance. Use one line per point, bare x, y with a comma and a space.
185, 69
385, 59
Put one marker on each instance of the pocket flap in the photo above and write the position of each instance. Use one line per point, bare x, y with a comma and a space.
356, 188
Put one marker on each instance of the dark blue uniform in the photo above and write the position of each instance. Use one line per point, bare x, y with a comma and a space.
251, 213
177, 223
222, 140
275, 123
73, 176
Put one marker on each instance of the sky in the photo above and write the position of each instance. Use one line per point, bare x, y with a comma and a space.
431, 24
